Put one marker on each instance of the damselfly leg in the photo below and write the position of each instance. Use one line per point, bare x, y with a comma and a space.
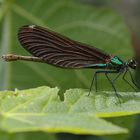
112, 82
132, 79
124, 75
93, 79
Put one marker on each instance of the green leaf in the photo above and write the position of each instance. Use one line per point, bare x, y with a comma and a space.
40, 109
26, 136
103, 104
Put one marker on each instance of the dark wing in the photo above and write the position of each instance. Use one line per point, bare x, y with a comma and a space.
58, 50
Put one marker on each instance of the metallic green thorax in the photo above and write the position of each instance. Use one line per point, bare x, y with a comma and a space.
115, 60
115, 63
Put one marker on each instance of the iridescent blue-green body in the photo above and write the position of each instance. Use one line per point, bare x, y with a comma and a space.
114, 63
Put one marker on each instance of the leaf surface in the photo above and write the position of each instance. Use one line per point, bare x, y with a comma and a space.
40, 109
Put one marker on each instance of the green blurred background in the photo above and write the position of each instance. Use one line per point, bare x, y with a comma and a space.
106, 24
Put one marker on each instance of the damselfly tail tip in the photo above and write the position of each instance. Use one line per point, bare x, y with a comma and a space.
9, 57
3, 56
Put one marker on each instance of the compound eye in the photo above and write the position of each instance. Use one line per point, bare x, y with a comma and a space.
132, 61
132, 64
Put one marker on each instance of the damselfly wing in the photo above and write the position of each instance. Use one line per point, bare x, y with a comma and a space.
59, 50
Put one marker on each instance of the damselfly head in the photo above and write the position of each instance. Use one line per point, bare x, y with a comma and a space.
132, 63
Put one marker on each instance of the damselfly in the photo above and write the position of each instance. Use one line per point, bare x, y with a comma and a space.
50, 47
